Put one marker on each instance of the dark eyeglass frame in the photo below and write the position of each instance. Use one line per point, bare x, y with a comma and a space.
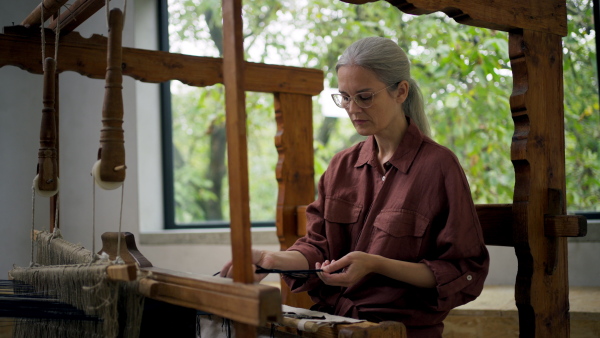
343, 101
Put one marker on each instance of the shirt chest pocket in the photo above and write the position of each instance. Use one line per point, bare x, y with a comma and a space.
398, 234
341, 212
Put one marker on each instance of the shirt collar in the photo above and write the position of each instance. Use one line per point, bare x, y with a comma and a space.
405, 153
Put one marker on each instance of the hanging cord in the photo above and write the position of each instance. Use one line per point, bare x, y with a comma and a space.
43, 36
108, 12
56, 231
118, 259
32, 262
94, 256
56, 36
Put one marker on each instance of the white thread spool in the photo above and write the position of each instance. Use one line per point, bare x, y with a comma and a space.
44, 193
103, 184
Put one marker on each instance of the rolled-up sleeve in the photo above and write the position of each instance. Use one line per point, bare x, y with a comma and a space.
462, 261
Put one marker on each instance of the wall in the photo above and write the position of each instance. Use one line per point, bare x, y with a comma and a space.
80, 108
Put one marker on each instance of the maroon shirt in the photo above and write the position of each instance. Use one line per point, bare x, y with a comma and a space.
420, 210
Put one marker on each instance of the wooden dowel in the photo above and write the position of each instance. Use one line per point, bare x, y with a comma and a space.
565, 226
78, 12
50, 8
112, 141
47, 163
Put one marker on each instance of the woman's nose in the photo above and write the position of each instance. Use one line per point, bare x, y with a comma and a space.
353, 106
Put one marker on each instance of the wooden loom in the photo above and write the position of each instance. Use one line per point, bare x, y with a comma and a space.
535, 224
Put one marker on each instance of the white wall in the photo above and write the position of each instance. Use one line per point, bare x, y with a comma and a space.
80, 123
81, 101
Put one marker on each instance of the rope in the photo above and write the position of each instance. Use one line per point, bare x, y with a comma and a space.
108, 12
43, 36
56, 212
57, 35
118, 258
93, 215
32, 263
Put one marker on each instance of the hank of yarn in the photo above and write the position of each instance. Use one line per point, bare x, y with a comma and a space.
103, 184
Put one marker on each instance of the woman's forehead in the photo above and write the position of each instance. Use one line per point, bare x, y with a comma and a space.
355, 78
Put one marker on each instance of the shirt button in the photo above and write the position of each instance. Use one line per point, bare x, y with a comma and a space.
383, 178
469, 277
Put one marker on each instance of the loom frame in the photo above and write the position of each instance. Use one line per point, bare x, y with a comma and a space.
535, 224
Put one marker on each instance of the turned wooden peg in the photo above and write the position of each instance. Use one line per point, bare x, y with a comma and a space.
112, 141
129, 251
47, 163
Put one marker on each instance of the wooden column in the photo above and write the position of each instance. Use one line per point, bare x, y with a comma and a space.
537, 153
294, 173
237, 149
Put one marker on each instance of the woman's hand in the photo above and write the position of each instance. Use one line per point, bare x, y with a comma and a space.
354, 266
283, 260
258, 258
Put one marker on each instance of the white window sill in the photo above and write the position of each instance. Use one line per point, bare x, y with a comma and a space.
260, 236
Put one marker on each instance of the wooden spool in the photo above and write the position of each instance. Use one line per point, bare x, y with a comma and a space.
112, 143
47, 180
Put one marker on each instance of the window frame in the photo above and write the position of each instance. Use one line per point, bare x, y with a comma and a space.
166, 126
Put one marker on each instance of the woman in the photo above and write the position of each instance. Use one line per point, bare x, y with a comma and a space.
394, 228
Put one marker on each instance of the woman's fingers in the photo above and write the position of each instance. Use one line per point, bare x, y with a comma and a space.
226, 270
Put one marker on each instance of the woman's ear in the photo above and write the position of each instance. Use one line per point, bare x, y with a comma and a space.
403, 89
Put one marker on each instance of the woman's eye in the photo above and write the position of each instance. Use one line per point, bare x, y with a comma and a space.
346, 98
364, 97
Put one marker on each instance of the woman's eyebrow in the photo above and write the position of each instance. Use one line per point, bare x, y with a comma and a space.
358, 91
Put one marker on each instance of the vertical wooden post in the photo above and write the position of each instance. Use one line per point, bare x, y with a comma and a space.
237, 148
537, 153
294, 173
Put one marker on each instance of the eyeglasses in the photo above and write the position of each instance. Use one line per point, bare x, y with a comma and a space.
363, 100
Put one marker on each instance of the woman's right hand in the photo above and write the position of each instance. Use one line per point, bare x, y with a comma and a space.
259, 257
283, 260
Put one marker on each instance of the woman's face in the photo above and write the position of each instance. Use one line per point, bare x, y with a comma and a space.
383, 116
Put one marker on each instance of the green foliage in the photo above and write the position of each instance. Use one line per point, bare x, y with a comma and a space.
464, 73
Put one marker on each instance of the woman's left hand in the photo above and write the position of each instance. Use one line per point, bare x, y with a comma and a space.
354, 266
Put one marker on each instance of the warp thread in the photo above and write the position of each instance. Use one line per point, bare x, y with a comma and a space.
86, 287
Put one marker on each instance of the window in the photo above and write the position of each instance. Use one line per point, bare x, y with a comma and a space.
464, 73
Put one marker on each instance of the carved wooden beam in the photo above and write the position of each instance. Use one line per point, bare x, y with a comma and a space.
78, 12
294, 174
537, 153
81, 55
548, 16
51, 7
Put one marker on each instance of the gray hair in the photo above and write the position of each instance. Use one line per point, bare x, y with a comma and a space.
391, 66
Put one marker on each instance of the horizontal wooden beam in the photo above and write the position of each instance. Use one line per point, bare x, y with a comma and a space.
87, 56
565, 226
253, 304
50, 8
548, 16
386, 329
78, 12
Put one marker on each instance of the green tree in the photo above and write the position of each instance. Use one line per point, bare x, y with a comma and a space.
464, 73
